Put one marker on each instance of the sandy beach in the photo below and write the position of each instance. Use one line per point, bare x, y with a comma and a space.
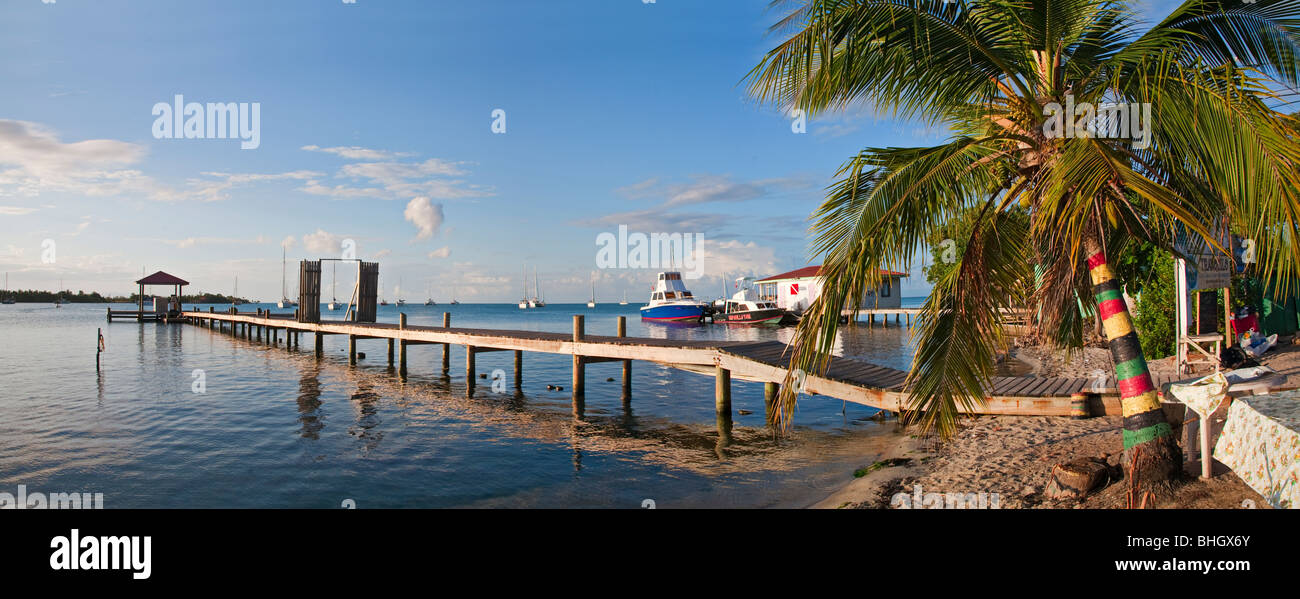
1013, 456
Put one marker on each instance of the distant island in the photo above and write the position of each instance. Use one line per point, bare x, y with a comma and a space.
81, 297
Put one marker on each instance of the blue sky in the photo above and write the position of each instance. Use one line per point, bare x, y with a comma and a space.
376, 126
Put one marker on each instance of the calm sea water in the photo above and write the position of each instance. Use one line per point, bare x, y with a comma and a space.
277, 428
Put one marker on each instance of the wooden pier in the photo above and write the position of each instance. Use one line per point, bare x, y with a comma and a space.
847, 379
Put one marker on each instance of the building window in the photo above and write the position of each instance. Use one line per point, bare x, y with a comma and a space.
885, 287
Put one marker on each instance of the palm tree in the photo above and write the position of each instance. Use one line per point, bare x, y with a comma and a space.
998, 75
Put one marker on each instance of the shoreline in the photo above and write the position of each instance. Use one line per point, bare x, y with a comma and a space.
1013, 455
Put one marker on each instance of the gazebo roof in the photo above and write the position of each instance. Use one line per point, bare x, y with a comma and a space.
162, 278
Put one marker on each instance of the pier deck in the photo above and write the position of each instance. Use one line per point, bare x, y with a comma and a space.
847, 379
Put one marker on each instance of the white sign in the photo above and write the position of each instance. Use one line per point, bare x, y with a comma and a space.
1207, 267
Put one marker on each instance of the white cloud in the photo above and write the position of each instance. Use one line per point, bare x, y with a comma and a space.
288, 242
395, 180
441, 252
321, 242
425, 215
356, 152
16, 210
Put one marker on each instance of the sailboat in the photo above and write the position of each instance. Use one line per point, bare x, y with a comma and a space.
624, 302
400, 301
6, 299
284, 302
537, 301
453, 297
58, 299
592, 303
334, 300
525, 303
234, 297
430, 302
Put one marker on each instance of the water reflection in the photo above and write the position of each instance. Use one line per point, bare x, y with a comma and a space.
309, 404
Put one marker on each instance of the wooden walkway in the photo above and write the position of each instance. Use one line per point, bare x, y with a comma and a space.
846, 379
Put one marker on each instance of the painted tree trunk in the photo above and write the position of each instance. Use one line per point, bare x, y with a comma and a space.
1152, 456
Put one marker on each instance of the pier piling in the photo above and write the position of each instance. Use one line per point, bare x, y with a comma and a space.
627, 364
446, 348
320, 346
770, 393
579, 365
352, 350
401, 325
722, 403
469, 370
519, 369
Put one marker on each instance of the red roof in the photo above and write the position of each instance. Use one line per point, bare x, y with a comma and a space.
808, 272
162, 278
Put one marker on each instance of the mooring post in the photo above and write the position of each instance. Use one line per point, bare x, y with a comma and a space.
401, 325
579, 366
770, 392
390, 353
446, 347
320, 345
519, 368
722, 403
352, 350
99, 346
627, 364
469, 370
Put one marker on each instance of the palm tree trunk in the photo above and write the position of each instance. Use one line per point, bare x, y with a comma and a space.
1152, 456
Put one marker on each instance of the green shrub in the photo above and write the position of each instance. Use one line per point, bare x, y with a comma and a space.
1155, 309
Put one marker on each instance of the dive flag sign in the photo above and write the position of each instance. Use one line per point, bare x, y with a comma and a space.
794, 289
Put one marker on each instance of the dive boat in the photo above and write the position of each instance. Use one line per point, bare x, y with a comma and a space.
745, 307
672, 302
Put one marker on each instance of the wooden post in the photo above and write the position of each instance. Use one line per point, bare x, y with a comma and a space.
401, 325
722, 390
469, 369
519, 369
446, 347
320, 345
579, 366
770, 393
352, 350
390, 353
722, 403
627, 364
1227, 317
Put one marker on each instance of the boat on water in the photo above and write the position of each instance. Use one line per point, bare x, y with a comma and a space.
453, 297
284, 302
671, 301
538, 300
5, 298
745, 307
334, 300
592, 303
524, 303
624, 302
430, 302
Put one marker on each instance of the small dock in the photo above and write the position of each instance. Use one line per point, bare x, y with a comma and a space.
846, 379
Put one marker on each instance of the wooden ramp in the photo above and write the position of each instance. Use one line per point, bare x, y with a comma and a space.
880, 387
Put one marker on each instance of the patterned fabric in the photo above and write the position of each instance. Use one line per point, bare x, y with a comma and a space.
1261, 443
1203, 395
